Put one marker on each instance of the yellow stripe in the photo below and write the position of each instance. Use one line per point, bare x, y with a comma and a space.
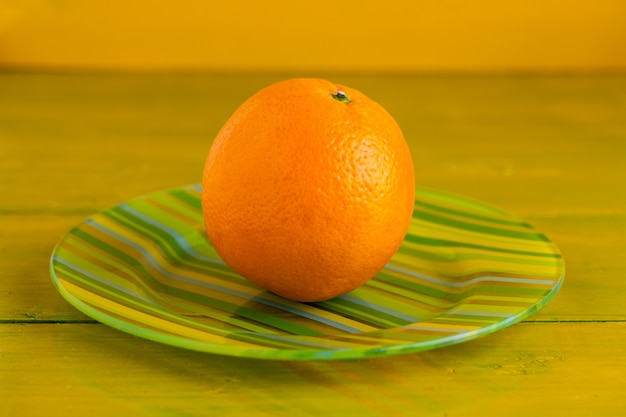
107, 266
504, 298
481, 222
486, 308
443, 232
473, 266
448, 252
250, 290
459, 203
450, 328
148, 319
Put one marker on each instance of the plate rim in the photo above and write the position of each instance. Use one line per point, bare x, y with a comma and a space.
273, 353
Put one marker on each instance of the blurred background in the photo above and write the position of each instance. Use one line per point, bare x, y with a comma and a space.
323, 36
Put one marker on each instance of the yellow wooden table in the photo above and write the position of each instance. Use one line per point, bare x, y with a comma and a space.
550, 149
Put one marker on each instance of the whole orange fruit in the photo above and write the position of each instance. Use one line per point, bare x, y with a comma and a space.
308, 189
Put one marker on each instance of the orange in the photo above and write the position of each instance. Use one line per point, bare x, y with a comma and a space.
308, 189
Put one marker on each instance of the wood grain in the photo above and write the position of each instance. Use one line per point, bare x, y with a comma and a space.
80, 369
532, 145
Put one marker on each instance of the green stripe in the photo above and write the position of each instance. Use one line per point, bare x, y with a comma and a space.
173, 250
462, 203
371, 316
195, 222
505, 290
124, 298
457, 244
472, 216
379, 296
169, 246
139, 304
451, 296
420, 299
457, 224
185, 196
468, 319
414, 286
258, 316
279, 341
464, 256
167, 227
120, 217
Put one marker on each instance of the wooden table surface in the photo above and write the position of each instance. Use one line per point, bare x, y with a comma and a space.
551, 149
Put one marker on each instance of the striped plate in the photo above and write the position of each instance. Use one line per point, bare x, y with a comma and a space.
464, 270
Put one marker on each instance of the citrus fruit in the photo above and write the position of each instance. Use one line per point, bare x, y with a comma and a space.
308, 189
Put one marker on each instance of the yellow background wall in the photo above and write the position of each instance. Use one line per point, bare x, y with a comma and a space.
333, 35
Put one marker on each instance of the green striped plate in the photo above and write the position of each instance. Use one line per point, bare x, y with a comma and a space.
465, 270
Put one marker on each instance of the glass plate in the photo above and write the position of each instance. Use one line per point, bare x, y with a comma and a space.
465, 270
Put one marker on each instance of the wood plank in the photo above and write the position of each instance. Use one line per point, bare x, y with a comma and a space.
555, 369
533, 145
26, 290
